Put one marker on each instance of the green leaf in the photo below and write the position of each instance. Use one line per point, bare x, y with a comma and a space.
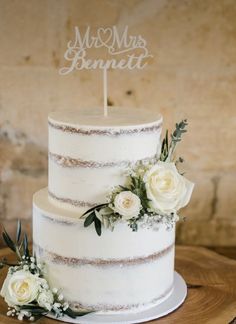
98, 226
133, 225
93, 208
166, 141
18, 231
88, 221
36, 310
165, 147
140, 181
21, 245
74, 314
124, 188
33, 304
25, 245
134, 183
8, 241
38, 317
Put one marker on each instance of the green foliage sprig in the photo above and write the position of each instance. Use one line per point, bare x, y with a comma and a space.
25, 261
19, 246
138, 188
168, 147
92, 214
105, 214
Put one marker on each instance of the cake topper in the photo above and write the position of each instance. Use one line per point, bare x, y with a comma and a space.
123, 51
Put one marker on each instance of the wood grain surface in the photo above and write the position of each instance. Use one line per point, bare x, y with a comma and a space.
211, 280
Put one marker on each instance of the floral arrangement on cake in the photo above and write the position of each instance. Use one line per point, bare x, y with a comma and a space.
25, 289
154, 192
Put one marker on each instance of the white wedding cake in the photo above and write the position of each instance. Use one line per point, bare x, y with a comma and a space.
120, 270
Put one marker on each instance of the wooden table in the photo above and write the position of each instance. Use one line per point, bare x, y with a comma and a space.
211, 280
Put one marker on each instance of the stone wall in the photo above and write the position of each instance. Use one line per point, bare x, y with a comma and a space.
192, 75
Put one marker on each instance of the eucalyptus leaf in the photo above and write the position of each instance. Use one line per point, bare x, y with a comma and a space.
176, 137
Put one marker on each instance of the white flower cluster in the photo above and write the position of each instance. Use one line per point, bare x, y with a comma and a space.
24, 288
167, 191
154, 193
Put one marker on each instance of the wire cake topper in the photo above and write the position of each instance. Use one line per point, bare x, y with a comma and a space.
124, 51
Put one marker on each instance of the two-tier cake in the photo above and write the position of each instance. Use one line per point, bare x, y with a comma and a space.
121, 270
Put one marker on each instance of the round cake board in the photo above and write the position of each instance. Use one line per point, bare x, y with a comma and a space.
169, 305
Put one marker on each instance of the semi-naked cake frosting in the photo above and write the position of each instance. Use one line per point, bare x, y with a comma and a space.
89, 155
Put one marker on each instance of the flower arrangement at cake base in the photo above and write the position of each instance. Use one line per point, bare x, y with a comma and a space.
25, 289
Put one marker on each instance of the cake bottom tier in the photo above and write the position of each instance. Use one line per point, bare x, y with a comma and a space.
120, 271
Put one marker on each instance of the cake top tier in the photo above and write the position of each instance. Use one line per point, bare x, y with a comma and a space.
117, 117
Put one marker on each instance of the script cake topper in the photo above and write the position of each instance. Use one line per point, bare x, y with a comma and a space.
124, 51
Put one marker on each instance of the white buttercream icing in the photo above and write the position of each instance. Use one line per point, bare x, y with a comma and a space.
137, 140
64, 244
121, 270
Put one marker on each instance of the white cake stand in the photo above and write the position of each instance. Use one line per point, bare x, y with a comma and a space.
169, 305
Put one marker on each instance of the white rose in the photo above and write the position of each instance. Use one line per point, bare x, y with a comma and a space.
45, 299
20, 288
167, 190
127, 204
